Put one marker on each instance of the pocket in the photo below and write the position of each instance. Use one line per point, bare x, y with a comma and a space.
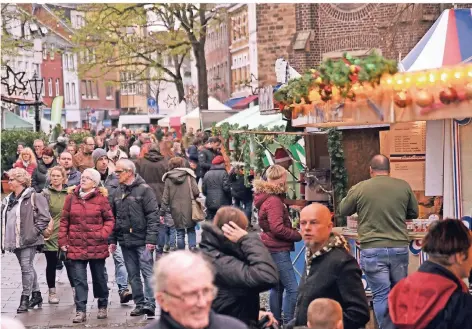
401, 251
369, 260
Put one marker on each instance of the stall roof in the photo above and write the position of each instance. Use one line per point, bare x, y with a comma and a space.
242, 104
253, 119
233, 101
13, 121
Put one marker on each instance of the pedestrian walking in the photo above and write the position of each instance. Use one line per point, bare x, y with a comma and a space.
180, 186
382, 204
25, 215
208, 153
86, 223
39, 177
242, 194
27, 161
135, 209
279, 237
216, 187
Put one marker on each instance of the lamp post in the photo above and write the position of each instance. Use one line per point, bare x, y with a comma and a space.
36, 86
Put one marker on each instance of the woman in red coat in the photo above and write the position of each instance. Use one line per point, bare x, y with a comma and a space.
26, 161
86, 222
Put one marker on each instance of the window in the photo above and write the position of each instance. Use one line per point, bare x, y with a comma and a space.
66, 63
50, 87
128, 83
71, 62
73, 90
43, 91
109, 92
45, 53
20, 66
67, 96
89, 89
82, 57
52, 53
87, 53
95, 89
92, 57
58, 90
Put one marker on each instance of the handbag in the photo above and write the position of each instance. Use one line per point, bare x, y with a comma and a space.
62, 255
198, 214
50, 228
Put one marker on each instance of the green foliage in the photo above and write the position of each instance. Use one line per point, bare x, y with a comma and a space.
78, 138
10, 140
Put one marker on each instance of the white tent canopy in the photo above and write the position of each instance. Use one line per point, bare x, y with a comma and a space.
252, 118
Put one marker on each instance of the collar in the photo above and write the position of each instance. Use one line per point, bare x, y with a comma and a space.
334, 241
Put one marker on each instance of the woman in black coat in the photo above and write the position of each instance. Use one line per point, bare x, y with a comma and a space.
38, 179
244, 267
216, 187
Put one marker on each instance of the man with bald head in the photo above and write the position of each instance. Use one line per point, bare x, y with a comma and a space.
325, 313
382, 204
330, 270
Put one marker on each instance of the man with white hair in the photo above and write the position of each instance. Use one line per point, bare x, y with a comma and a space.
137, 224
185, 291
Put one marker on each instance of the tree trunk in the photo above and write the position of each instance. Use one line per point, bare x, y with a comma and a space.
199, 52
180, 88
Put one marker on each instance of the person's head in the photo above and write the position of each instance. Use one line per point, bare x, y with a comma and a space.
10, 323
134, 151
166, 149
100, 160
57, 176
20, 147
126, 171
89, 180
27, 155
315, 225
218, 160
65, 160
18, 179
277, 175
72, 142
48, 155
89, 145
379, 166
224, 215
121, 140
190, 130
214, 143
38, 146
325, 313
113, 144
449, 243
184, 288
71, 148
144, 150
98, 141
197, 142
176, 162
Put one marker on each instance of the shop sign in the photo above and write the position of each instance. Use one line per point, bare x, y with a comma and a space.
266, 101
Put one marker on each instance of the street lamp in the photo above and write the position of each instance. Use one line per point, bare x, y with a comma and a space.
36, 85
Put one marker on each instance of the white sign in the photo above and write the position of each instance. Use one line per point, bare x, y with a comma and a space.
266, 100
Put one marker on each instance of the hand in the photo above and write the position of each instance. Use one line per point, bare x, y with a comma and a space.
112, 248
64, 248
272, 320
150, 247
233, 232
162, 219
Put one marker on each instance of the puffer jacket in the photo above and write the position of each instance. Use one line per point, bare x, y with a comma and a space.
177, 199
38, 180
243, 270
277, 231
216, 187
152, 168
29, 228
86, 224
29, 168
135, 210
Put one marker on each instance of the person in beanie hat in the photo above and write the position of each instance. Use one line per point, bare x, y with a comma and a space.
216, 187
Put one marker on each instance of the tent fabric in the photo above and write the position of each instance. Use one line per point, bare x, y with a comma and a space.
174, 121
13, 121
233, 101
447, 42
252, 118
242, 104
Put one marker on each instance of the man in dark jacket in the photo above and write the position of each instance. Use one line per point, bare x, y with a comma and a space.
216, 187
242, 194
207, 154
135, 208
330, 270
435, 296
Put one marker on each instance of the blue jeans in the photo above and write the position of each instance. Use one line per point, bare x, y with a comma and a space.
170, 236
192, 238
245, 206
121, 275
287, 282
383, 268
135, 267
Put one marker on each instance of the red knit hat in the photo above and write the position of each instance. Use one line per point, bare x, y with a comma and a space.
281, 155
218, 160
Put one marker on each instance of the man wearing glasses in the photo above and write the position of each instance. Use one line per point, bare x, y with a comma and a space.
38, 146
185, 291
83, 160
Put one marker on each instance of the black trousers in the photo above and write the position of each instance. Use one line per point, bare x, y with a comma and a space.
99, 282
51, 263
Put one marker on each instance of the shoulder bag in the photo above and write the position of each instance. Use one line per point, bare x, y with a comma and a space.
197, 208
50, 228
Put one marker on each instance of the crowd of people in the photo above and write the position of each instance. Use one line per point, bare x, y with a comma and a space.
132, 196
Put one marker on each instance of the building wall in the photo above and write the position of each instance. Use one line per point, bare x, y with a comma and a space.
71, 87
51, 68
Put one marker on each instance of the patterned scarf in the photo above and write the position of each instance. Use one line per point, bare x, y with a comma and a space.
334, 241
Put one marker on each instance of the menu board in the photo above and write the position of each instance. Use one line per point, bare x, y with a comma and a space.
411, 171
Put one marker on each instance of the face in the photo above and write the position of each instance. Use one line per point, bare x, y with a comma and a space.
19, 149
13, 184
113, 148
123, 173
47, 159
56, 178
38, 147
89, 145
26, 156
188, 301
315, 225
66, 160
193, 165
215, 146
71, 149
102, 164
86, 182
71, 142
190, 130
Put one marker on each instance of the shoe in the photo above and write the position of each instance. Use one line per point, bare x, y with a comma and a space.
102, 313
36, 299
59, 266
138, 311
24, 302
125, 296
52, 298
166, 248
79, 317
149, 312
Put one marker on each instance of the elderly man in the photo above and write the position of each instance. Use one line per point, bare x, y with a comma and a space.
137, 224
330, 270
382, 204
114, 153
38, 146
83, 160
325, 313
185, 292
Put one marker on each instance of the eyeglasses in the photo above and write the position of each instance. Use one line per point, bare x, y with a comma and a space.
90, 144
191, 298
86, 178
118, 172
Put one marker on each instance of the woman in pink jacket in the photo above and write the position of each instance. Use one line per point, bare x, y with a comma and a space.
26, 161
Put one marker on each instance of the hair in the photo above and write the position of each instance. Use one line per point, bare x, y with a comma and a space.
214, 140
197, 142
38, 140
144, 150
10, 323
166, 149
227, 214
380, 163
95, 175
127, 164
275, 172
134, 151
324, 313
61, 169
84, 141
31, 153
67, 153
48, 151
446, 238
180, 261
176, 162
21, 175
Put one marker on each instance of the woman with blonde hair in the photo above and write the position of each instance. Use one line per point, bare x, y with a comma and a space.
25, 215
26, 161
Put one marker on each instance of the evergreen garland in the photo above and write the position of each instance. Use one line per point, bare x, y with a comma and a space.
246, 157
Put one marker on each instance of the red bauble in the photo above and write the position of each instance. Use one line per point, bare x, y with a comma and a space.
354, 78
402, 99
424, 99
328, 90
448, 95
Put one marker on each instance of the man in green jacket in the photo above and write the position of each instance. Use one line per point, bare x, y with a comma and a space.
382, 204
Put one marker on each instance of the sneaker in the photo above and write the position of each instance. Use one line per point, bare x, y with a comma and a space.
138, 311
125, 296
166, 248
79, 317
102, 313
149, 311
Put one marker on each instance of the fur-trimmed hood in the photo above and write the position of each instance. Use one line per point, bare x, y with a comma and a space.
178, 175
263, 190
75, 190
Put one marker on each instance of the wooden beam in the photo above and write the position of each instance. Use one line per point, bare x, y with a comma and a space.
254, 132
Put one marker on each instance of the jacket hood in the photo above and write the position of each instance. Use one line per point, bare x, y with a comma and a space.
218, 167
213, 238
263, 190
154, 156
178, 175
75, 190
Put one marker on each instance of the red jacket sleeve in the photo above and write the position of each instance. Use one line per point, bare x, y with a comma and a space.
63, 238
108, 219
275, 217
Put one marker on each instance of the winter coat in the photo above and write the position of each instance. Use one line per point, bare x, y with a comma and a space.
205, 157
216, 187
152, 168
177, 199
38, 180
239, 190
431, 298
333, 273
30, 168
28, 228
217, 321
243, 270
277, 231
135, 210
83, 161
86, 224
56, 200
